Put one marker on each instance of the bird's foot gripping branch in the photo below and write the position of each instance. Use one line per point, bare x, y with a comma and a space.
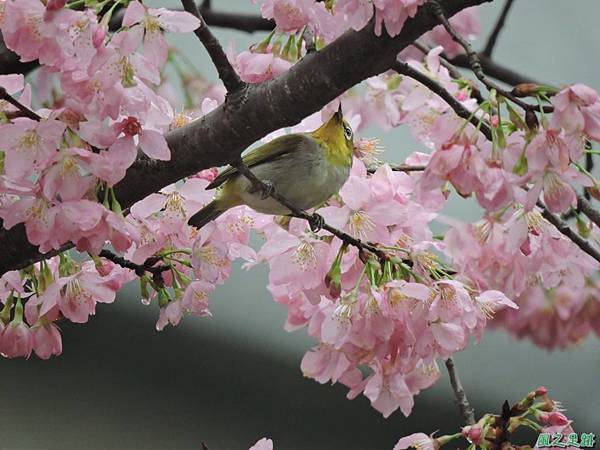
97, 157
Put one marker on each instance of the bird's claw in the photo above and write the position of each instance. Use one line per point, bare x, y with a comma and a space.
316, 222
267, 189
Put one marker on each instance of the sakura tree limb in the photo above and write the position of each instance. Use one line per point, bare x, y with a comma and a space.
405, 69
460, 395
227, 73
219, 137
564, 228
493, 38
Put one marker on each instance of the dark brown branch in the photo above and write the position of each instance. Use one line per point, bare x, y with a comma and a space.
495, 70
227, 73
315, 221
219, 137
564, 228
459, 393
493, 38
21, 107
586, 208
475, 62
242, 22
403, 68
139, 269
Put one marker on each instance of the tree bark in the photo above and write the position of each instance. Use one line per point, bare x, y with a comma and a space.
251, 113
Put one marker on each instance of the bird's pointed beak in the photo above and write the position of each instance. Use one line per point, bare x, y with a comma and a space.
339, 113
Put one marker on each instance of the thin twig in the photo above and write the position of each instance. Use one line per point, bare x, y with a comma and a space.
139, 269
459, 393
586, 208
405, 69
315, 221
21, 107
491, 42
475, 62
564, 228
227, 73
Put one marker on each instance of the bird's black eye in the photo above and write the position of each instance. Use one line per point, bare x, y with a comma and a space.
348, 132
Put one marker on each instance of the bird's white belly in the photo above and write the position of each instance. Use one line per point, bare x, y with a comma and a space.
306, 178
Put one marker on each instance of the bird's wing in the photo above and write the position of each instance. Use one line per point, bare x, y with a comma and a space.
267, 152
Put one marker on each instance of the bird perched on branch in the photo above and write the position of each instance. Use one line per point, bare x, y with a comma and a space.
305, 168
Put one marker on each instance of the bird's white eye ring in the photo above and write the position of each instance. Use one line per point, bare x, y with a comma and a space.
348, 132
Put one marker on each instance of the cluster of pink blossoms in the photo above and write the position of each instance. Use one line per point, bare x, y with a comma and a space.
327, 22
58, 288
53, 167
371, 315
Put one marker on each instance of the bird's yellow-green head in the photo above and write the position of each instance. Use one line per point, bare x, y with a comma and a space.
336, 139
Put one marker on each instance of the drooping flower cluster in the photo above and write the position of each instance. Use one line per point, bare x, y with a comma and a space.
393, 318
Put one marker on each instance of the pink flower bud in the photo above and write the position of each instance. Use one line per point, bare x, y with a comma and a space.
557, 418
541, 391
472, 433
99, 35
53, 5
16, 341
46, 340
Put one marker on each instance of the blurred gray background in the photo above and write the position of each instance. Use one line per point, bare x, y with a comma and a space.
234, 378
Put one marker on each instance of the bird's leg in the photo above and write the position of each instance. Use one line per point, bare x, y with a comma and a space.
265, 187
316, 222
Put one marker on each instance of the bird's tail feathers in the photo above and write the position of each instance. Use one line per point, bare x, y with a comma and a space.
208, 213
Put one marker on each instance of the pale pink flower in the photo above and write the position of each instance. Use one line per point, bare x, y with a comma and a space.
466, 23
29, 145
149, 23
419, 441
77, 295
259, 67
263, 444
577, 109
16, 340
46, 340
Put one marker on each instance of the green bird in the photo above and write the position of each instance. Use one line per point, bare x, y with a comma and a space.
305, 168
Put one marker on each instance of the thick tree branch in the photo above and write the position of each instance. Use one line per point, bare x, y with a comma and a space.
219, 137
459, 393
227, 73
493, 38
403, 68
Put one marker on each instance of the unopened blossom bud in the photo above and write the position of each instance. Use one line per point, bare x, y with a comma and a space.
472, 433
53, 5
208, 174
556, 418
525, 90
99, 35
531, 119
495, 121
583, 228
541, 391
594, 191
